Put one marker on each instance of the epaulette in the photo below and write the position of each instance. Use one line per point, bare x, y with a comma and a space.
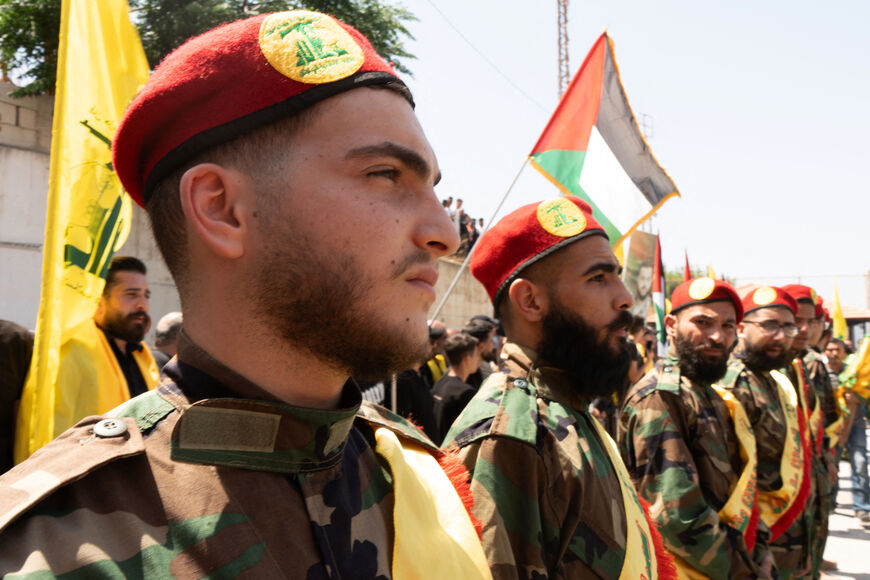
80, 450
377, 415
668, 379
732, 373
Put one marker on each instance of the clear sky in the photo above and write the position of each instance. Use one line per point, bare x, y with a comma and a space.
759, 114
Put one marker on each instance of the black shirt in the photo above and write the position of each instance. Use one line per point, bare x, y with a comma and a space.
135, 381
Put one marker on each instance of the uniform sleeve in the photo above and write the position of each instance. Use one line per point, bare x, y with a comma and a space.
508, 482
653, 437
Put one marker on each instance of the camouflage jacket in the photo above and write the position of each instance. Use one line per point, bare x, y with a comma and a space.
543, 486
757, 392
817, 375
200, 482
678, 442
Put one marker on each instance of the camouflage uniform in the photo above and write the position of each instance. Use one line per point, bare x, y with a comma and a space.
678, 441
544, 488
206, 483
757, 392
821, 392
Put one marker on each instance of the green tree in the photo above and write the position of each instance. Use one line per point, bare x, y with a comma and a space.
28, 42
29, 29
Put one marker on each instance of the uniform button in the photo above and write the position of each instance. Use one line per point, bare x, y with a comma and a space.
110, 428
519, 383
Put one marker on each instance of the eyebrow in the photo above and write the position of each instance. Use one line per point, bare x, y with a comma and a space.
413, 160
607, 267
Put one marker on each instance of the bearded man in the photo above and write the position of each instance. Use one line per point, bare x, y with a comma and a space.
822, 416
548, 483
776, 412
105, 362
290, 189
677, 436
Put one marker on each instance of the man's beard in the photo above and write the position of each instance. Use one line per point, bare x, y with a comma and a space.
570, 344
489, 356
128, 327
317, 302
697, 367
758, 360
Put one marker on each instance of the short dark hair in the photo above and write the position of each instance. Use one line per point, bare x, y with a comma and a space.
122, 264
838, 341
478, 328
459, 346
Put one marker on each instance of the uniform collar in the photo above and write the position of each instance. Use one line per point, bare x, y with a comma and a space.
228, 420
551, 383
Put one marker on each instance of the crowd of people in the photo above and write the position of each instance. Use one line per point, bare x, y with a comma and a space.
469, 228
545, 441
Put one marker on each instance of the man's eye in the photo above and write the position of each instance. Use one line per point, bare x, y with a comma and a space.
391, 174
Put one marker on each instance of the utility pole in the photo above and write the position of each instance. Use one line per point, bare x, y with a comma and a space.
564, 68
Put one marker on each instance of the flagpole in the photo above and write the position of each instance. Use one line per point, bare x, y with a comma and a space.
471, 251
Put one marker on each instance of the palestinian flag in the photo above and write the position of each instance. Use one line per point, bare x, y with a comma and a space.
658, 299
593, 148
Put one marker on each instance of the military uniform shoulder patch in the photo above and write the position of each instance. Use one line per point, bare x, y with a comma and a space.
90, 444
381, 417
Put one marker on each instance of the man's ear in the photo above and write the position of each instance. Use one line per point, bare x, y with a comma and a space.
216, 201
101, 308
528, 300
671, 325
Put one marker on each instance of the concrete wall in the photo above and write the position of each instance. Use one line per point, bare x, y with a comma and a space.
468, 297
25, 136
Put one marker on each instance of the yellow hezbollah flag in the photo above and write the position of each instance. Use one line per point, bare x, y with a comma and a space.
100, 67
840, 329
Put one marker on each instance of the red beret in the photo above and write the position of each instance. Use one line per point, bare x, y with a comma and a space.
803, 293
702, 291
767, 297
234, 79
526, 235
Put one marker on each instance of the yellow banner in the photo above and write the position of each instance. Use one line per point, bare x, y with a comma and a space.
841, 330
101, 65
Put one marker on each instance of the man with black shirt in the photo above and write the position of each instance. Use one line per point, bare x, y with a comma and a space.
105, 362
452, 392
483, 331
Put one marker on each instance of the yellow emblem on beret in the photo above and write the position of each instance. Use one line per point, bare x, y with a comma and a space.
309, 47
701, 288
561, 217
814, 296
764, 295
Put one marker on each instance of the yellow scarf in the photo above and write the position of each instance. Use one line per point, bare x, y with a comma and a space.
741, 510
437, 366
434, 535
641, 557
779, 508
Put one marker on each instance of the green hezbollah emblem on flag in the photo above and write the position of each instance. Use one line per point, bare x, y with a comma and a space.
88, 214
593, 148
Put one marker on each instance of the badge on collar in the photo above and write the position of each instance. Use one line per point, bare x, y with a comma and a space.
309, 47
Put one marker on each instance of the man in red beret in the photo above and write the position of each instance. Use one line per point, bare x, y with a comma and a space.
290, 190
548, 483
823, 415
677, 435
775, 412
